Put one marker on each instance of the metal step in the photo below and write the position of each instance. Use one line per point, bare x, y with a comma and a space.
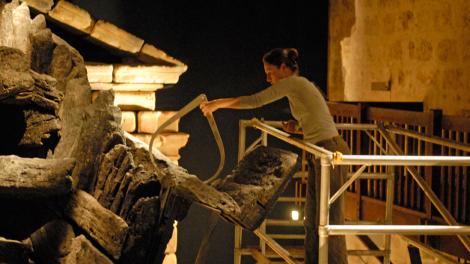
282, 222
287, 236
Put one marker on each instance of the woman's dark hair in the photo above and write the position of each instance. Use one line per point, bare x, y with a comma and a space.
278, 56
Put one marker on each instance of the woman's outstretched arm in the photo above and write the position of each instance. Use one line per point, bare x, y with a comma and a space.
208, 108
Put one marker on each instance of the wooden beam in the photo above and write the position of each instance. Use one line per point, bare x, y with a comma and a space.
72, 16
147, 74
101, 73
116, 37
13, 251
34, 177
106, 228
82, 251
150, 121
52, 241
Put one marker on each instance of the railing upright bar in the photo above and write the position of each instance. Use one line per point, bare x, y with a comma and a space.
389, 215
262, 243
324, 210
237, 254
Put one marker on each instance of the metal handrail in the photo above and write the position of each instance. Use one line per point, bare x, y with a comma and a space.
215, 131
430, 139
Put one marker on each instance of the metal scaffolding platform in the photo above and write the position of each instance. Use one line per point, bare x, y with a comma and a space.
328, 159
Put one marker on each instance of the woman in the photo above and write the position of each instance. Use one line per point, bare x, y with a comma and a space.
311, 112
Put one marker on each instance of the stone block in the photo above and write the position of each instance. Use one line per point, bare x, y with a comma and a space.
132, 100
116, 37
72, 16
388, 21
151, 54
147, 74
447, 50
420, 50
99, 73
169, 143
405, 20
128, 121
129, 87
396, 50
149, 121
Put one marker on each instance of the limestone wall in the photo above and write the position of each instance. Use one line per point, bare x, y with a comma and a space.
401, 51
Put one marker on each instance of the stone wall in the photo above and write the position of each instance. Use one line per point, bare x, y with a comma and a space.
401, 51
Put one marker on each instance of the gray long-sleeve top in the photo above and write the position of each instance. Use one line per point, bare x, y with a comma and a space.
306, 102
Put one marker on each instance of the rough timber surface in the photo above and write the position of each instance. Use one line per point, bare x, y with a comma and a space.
257, 181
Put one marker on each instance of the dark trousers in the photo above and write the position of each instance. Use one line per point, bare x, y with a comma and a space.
336, 244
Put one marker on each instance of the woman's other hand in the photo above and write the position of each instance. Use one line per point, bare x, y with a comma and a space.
291, 126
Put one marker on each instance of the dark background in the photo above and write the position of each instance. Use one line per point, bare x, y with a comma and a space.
222, 43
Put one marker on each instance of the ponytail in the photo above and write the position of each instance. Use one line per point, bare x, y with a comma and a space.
278, 56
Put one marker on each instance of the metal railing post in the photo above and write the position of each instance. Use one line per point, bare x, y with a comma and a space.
388, 215
237, 255
262, 243
324, 210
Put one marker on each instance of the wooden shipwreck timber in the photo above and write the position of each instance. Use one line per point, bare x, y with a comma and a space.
76, 188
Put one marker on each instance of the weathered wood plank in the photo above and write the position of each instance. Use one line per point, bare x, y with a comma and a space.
13, 251
99, 73
111, 174
34, 177
116, 37
150, 121
185, 185
43, 6
257, 181
72, 16
86, 138
52, 241
147, 74
106, 228
127, 87
83, 252
143, 216
39, 127
26, 88
42, 48
16, 27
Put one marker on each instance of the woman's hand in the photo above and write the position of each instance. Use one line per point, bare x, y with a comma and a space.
291, 126
209, 107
